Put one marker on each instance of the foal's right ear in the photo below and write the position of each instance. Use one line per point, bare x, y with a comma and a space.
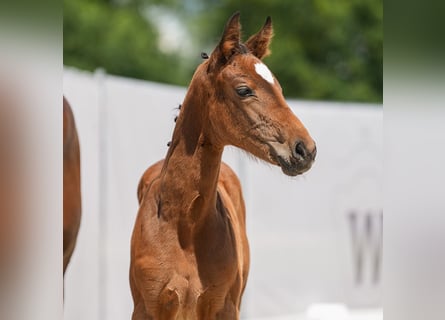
259, 43
230, 40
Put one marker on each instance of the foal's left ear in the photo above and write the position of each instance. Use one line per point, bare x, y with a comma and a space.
230, 42
259, 43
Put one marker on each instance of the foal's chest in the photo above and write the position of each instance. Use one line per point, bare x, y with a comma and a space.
193, 283
187, 297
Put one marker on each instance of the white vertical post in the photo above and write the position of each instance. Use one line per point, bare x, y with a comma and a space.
103, 191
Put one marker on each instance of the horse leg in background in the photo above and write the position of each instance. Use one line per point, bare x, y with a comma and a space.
71, 184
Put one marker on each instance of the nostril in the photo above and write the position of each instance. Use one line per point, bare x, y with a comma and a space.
300, 149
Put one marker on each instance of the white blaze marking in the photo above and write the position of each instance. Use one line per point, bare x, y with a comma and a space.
264, 71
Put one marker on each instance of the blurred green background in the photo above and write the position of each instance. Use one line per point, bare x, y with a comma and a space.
322, 49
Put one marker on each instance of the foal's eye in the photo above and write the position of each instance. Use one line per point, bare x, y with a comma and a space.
244, 91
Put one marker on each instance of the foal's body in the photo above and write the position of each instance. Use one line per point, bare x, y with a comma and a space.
194, 264
190, 256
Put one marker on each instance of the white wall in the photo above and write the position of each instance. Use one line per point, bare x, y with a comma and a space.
299, 229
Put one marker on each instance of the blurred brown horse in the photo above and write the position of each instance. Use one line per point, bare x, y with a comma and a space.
189, 250
71, 184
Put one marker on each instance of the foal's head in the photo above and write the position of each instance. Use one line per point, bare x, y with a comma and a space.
247, 108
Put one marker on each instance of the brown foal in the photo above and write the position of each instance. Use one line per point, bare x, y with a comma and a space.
189, 249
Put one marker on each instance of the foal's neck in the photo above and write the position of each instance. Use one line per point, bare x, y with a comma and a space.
190, 174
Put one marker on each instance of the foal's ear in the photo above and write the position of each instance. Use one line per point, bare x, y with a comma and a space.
230, 40
259, 43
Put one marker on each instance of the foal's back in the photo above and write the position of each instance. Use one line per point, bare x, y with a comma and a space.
229, 186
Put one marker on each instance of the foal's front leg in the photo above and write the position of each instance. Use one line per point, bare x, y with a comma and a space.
139, 312
168, 304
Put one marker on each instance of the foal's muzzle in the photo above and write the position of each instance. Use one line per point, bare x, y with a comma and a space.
301, 160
